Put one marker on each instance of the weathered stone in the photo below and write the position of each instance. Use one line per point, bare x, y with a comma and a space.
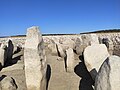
8, 83
79, 47
89, 39
117, 40
94, 56
3, 55
53, 48
13, 67
78, 43
70, 60
59, 58
35, 60
94, 39
68, 43
108, 77
109, 44
61, 53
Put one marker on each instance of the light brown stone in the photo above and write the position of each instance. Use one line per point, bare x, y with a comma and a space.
94, 56
70, 60
35, 60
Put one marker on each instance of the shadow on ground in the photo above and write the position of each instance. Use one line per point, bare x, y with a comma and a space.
86, 81
48, 75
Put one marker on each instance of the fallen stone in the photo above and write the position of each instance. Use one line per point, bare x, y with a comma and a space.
35, 60
70, 60
108, 77
13, 67
94, 56
8, 83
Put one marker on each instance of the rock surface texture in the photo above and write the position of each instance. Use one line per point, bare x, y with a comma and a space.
35, 60
94, 56
8, 83
89, 39
108, 77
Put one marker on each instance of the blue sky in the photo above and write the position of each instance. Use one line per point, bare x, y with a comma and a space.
58, 16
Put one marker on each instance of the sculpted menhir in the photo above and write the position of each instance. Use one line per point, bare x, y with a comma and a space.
35, 60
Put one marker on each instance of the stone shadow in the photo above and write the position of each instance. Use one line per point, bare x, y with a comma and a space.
16, 56
9, 53
1, 66
2, 77
86, 81
65, 63
17, 51
48, 75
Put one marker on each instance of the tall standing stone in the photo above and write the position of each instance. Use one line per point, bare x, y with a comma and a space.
35, 60
108, 77
94, 56
3, 55
70, 60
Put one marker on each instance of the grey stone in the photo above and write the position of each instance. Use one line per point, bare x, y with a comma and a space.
35, 60
108, 77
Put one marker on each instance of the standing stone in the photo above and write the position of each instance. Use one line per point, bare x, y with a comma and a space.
109, 44
3, 55
53, 48
35, 60
70, 60
94, 39
79, 47
61, 53
8, 83
108, 77
94, 56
